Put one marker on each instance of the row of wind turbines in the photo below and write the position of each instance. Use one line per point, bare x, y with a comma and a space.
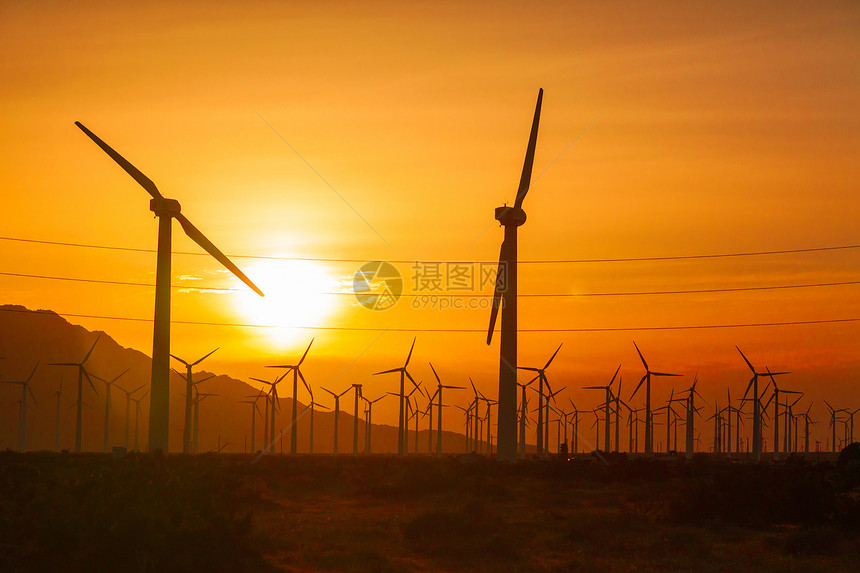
478, 427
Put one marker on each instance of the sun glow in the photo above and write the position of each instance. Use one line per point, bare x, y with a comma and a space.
297, 295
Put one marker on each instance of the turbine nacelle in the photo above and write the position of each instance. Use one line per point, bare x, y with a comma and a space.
510, 216
162, 206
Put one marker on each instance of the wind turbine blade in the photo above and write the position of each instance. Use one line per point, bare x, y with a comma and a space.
551, 358
745, 359
664, 374
305, 383
195, 235
87, 357
117, 377
388, 371
637, 386
87, 376
475, 390
497, 297
205, 357
142, 179
306, 353
642, 358
410, 378
136, 389
529, 368
411, 348
434, 373
614, 375
525, 179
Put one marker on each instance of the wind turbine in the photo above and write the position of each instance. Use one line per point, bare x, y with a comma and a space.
523, 417
137, 411
541, 372
757, 442
186, 432
575, 436
271, 396
370, 404
198, 397
336, 411
647, 380
59, 394
806, 428
401, 442
297, 373
357, 388
506, 287
438, 394
608, 390
692, 411
166, 210
775, 398
82, 373
313, 406
833, 419
22, 418
254, 411
128, 399
108, 384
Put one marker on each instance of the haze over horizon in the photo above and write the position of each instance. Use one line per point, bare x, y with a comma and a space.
390, 132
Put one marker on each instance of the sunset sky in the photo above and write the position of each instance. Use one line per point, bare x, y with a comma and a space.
390, 131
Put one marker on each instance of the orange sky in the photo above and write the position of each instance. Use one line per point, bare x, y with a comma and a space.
711, 130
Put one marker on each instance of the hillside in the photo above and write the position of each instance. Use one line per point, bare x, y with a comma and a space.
28, 336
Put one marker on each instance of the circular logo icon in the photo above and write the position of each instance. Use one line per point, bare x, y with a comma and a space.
377, 285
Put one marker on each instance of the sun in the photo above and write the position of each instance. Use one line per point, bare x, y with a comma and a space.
298, 294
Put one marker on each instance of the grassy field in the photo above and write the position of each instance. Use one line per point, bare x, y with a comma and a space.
64, 512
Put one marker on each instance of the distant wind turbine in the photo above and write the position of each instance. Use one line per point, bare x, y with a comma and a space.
297, 373
438, 393
82, 373
404, 373
186, 432
166, 210
756, 400
542, 380
606, 404
128, 400
22, 417
108, 385
649, 438
336, 411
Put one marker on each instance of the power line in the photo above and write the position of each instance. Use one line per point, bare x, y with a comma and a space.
450, 330
465, 295
409, 261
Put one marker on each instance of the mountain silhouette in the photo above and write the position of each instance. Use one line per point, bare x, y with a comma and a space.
28, 336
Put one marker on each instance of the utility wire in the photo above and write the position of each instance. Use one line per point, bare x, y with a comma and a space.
452, 330
464, 295
407, 261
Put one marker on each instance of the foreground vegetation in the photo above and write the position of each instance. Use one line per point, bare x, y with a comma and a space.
66, 512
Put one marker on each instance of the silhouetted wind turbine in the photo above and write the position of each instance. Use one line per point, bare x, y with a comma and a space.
401, 442
59, 394
541, 372
186, 432
692, 411
357, 388
775, 398
22, 416
438, 394
297, 373
523, 417
137, 412
370, 403
608, 390
506, 287
198, 397
254, 411
108, 385
647, 380
313, 406
128, 399
757, 442
82, 373
336, 411
166, 210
